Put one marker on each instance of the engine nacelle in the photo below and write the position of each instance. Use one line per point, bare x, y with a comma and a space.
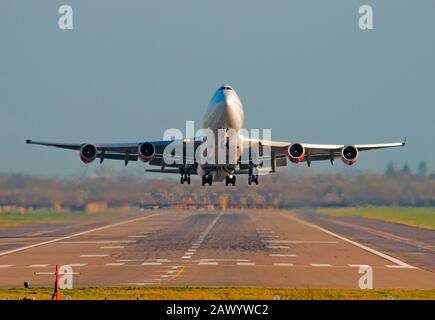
349, 155
146, 151
88, 153
296, 152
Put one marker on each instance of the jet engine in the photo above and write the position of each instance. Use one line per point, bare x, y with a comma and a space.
146, 151
296, 152
349, 155
88, 153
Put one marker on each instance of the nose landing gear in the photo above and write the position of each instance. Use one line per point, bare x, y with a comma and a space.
253, 178
185, 178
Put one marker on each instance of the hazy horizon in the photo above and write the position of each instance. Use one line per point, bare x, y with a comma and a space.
130, 70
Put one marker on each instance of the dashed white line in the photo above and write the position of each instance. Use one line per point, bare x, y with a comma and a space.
3, 266
320, 265
245, 263
38, 265
208, 263
283, 264
112, 247
98, 242
151, 263
77, 264
114, 264
186, 257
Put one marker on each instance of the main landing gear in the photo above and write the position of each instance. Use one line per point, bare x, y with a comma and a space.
185, 178
185, 175
253, 179
230, 179
207, 178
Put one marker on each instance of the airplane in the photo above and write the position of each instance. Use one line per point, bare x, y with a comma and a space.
225, 112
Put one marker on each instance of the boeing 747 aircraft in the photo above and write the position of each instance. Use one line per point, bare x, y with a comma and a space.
225, 112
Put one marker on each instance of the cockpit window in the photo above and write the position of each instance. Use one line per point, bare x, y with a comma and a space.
225, 88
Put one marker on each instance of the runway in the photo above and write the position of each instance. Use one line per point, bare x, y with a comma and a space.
260, 248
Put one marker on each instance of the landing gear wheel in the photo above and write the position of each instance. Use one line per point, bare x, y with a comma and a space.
253, 178
207, 179
185, 177
230, 179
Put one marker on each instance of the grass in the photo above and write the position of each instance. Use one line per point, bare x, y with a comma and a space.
204, 293
416, 217
17, 219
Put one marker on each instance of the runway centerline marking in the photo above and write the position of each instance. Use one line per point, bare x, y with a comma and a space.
3, 266
114, 264
78, 234
361, 246
283, 264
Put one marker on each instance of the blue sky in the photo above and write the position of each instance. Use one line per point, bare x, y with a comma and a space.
131, 69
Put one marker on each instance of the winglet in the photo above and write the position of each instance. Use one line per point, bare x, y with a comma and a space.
28, 141
404, 142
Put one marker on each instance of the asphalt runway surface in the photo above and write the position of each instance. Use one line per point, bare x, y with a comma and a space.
259, 248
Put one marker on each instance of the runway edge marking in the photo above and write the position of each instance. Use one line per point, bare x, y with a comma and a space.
398, 262
77, 234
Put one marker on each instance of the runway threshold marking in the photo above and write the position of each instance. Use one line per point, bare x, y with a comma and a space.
78, 234
320, 265
359, 245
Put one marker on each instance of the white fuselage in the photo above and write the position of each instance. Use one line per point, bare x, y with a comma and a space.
225, 111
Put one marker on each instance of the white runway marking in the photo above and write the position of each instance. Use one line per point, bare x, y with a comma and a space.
281, 255
112, 247
151, 263
175, 267
93, 255
114, 264
77, 264
38, 265
162, 260
138, 236
3, 266
246, 263
98, 242
191, 250
129, 260
301, 241
375, 252
78, 234
283, 264
207, 263
320, 265
186, 257
188, 253
277, 247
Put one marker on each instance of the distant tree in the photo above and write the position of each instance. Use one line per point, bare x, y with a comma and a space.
422, 168
406, 170
391, 169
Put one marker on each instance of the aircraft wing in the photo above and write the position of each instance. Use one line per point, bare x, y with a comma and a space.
119, 151
317, 152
